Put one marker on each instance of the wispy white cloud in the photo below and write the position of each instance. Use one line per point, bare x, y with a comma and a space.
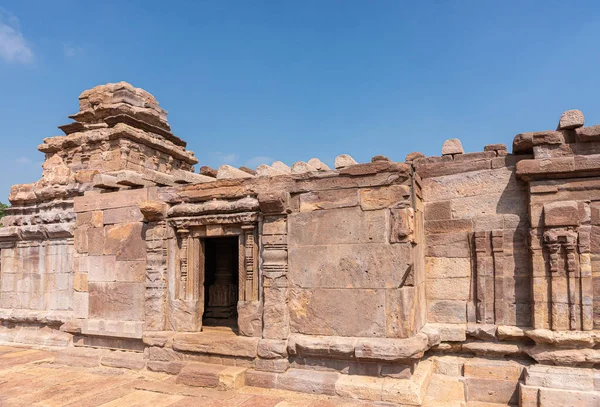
71, 50
13, 46
226, 158
24, 161
258, 160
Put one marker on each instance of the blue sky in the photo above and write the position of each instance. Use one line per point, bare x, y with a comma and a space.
247, 82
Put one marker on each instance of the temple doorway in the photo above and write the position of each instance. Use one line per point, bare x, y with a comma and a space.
221, 281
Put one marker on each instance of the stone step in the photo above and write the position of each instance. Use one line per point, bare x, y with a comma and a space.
445, 390
402, 391
213, 376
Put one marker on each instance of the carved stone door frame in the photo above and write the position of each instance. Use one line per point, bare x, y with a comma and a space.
191, 233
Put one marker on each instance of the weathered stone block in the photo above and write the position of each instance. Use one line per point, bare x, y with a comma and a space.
571, 119
125, 360
450, 245
272, 349
450, 332
266, 380
438, 210
391, 349
557, 377
272, 365
102, 269
403, 225
333, 312
90, 219
200, 375
80, 282
443, 267
95, 241
400, 308
492, 391
276, 316
123, 215
217, 344
452, 146
116, 301
490, 369
110, 200
125, 241
567, 398
564, 213
337, 226
250, 318
274, 225
448, 226
305, 381
172, 368
130, 271
341, 198
359, 387
349, 266
274, 202
384, 197
447, 311
448, 288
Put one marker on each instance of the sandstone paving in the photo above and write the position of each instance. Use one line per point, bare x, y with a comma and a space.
35, 381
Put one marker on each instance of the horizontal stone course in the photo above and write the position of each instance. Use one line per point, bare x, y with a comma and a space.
217, 344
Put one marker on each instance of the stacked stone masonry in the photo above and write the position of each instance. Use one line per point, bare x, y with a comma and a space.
468, 277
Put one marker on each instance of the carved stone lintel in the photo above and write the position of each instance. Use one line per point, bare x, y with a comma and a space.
244, 218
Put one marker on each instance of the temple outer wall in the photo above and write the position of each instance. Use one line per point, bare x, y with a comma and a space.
110, 264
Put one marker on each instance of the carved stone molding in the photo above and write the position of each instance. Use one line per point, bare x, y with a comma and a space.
244, 218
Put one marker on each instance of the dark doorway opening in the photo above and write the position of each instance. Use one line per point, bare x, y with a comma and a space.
221, 281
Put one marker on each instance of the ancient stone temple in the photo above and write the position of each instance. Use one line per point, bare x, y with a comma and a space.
452, 279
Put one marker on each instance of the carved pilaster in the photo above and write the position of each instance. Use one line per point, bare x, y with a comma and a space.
484, 264
249, 271
500, 303
570, 306
275, 266
156, 272
184, 239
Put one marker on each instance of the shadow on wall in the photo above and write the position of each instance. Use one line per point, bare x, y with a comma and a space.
516, 267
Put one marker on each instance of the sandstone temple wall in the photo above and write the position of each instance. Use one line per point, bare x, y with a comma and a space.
464, 277
476, 225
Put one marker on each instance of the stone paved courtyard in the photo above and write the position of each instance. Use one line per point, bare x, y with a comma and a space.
28, 377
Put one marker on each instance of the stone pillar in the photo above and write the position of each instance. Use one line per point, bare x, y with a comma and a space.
275, 265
